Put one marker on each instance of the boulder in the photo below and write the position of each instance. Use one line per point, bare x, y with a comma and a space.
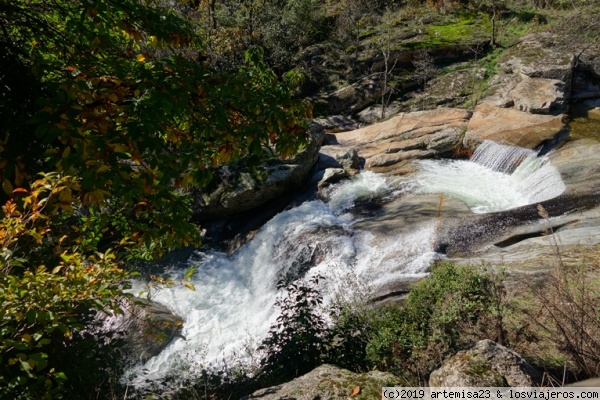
372, 114
331, 176
535, 57
145, 326
248, 192
355, 97
338, 157
539, 96
510, 126
329, 382
533, 77
337, 123
485, 364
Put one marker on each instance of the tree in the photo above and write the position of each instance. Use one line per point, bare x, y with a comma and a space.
385, 44
107, 117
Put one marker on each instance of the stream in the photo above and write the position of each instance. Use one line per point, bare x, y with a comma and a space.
233, 305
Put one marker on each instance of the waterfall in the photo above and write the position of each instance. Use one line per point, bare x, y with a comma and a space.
233, 308
496, 178
499, 157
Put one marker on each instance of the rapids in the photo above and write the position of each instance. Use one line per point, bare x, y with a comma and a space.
233, 305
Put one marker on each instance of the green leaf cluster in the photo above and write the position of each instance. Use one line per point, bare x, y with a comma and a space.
453, 307
109, 117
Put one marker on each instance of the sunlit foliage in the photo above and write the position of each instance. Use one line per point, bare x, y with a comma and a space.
108, 116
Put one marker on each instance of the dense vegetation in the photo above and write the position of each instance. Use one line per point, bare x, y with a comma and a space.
112, 111
108, 117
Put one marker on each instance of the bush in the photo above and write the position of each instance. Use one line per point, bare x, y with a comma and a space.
565, 311
296, 342
453, 307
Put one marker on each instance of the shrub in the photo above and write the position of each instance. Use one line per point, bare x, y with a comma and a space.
295, 344
565, 311
453, 307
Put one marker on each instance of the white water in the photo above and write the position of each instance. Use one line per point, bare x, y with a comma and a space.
233, 305
496, 178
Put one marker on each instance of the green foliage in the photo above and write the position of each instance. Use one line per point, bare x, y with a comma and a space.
451, 308
295, 343
46, 285
108, 118
464, 27
348, 338
133, 123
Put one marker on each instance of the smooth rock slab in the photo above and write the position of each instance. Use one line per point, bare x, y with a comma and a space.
510, 126
421, 134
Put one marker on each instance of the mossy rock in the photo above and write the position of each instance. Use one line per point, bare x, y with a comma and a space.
329, 382
485, 364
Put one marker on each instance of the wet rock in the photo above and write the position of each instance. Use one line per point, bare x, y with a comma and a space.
329, 382
523, 238
146, 327
331, 176
485, 364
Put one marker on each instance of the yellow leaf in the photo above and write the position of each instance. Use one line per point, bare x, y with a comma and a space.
7, 186
65, 196
26, 338
66, 207
102, 168
153, 41
141, 58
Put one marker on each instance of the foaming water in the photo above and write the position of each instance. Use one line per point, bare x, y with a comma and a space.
233, 304
496, 178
